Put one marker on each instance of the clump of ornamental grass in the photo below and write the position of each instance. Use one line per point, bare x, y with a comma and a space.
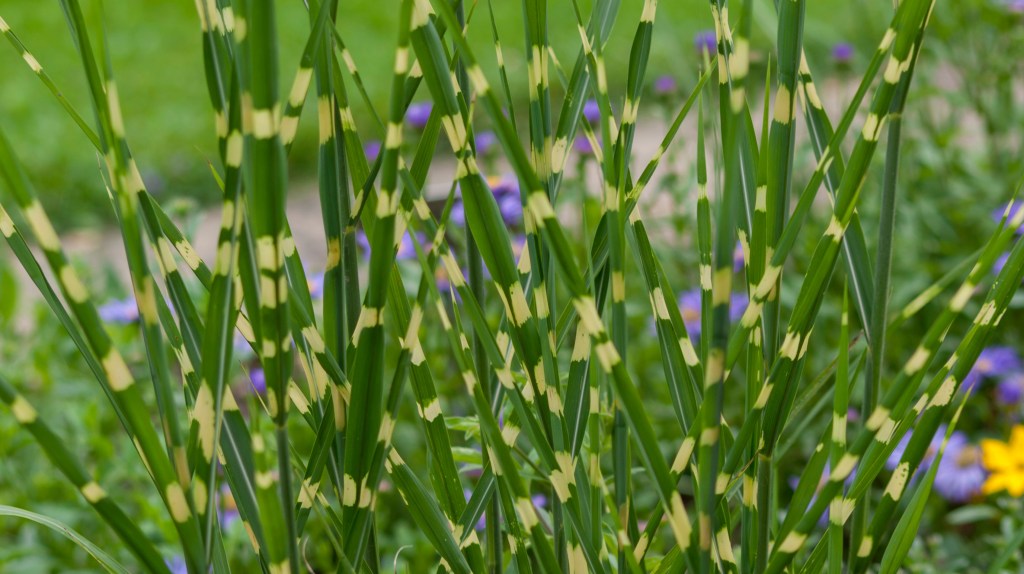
571, 470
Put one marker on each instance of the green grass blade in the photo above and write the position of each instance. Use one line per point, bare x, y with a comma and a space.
54, 448
108, 563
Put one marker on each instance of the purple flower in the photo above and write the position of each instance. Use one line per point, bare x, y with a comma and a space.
418, 114
894, 458
664, 85
316, 285
1015, 6
443, 282
258, 379
511, 208
997, 214
842, 53
458, 213
992, 362
485, 142
363, 242
241, 346
506, 191
177, 565
372, 150
960, 474
406, 249
705, 41
591, 111
689, 308
518, 245
737, 305
999, 263
121, 311
582, 145
1010, 389
505, 185
738, 257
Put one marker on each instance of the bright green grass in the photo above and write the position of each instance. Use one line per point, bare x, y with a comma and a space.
164, 98
603, 417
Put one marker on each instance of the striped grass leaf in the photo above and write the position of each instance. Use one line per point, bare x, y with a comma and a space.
332, 179
560, 465
781, 142
897, 548
234, 445
443, 471
820, 130
704, 234
798, 215
837, 447
779, 390
612, 164
883, 263
887, 423
427, 515
599, 248
482, 216
482, 213
237, 448
757, 503
552, 429
365, 408
124, 185
543, 215
118, 381
716, 277
264, 176
518, 499
602, 17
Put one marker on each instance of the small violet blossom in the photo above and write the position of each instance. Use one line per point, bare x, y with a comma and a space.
177, 565
372, 150
842, 53
1010, 389
485, 142
591, 111
690, 309
997, 215
582, 145
258, 379
705, 41
315, 282
894, 459
960, 474
120, 311
665, 85
418, 114
406, 249
992, 362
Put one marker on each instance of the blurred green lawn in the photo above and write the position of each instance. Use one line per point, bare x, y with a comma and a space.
157, 60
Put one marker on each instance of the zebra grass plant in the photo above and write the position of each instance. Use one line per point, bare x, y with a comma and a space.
537, 345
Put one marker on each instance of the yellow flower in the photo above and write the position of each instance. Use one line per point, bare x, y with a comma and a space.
1005, 462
